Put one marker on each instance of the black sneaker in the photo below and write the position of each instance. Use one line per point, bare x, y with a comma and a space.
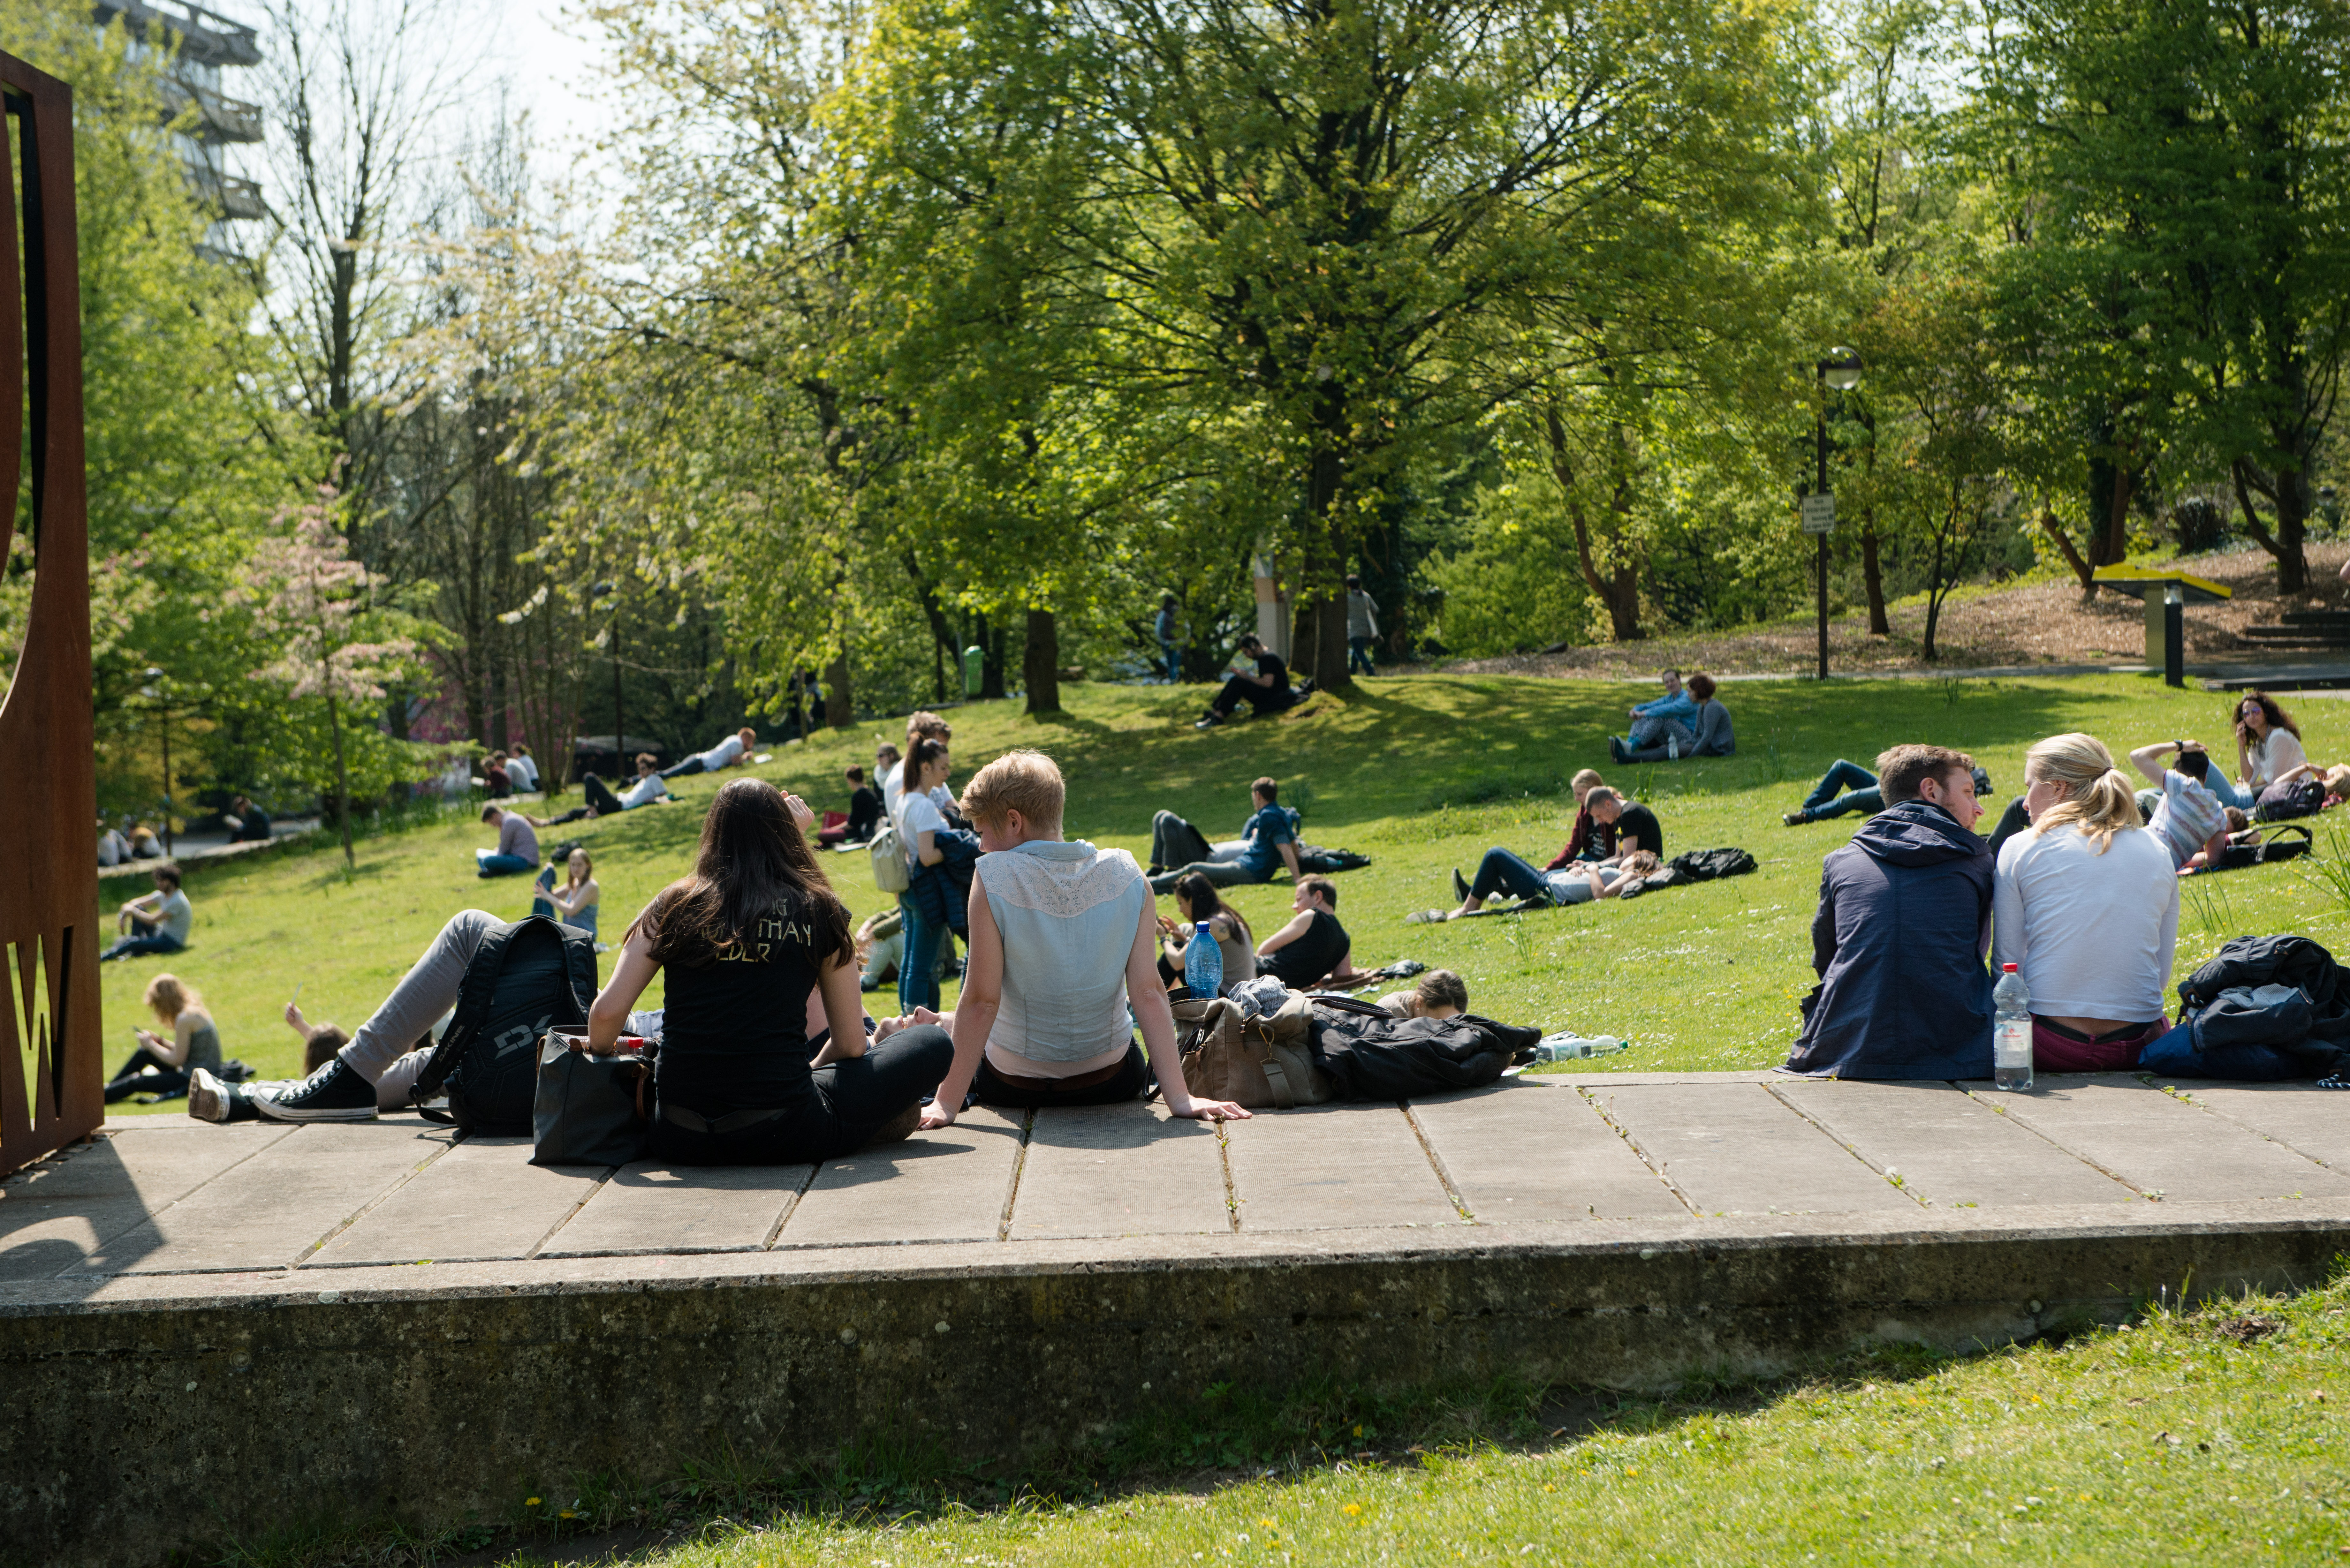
1459, 885
1207, 721
334, 1093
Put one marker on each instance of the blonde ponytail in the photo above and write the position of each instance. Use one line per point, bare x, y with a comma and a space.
2099, 800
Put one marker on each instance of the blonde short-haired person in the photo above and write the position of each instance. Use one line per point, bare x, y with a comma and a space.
1063, 942
2086, 905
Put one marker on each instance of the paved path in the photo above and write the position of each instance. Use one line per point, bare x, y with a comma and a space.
1538, 1161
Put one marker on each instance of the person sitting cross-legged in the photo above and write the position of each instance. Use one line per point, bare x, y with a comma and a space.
1312, 947
1268, 841
1904, 921
1196, 900
517, 850
154, 923
1062, 945
1265, 686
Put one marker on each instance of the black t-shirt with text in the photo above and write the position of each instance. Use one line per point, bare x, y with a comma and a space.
735, 1034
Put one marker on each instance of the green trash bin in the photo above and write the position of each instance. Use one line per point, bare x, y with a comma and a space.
974, 669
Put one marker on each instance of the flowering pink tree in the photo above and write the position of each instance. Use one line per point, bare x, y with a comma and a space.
315, 605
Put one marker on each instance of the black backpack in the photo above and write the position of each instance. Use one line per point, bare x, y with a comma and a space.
1706, 865
527, 978
2276, 844
1371, 1056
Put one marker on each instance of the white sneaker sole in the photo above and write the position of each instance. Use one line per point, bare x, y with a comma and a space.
207, 1101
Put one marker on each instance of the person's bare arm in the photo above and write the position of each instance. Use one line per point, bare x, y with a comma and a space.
2148, 759
171, 1053
1157, 1021
1602, 888
587, 893
1289, 855
975, 1009
843, 1014
926, 847
608, 1015
296, 1021
1287, 934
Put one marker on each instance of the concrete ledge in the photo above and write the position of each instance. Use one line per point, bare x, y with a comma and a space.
150, 1410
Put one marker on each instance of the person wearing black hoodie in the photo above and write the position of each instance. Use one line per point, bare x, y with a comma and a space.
1903, 925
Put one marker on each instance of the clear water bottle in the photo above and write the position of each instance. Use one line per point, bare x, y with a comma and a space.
2010, 1034
1204, 964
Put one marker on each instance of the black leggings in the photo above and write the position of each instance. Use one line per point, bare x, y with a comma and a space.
1131, 1077
1240, 688
853, 1100
130, 1079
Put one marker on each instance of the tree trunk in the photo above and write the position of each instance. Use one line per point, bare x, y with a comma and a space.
1040, 663
2290, 494
1619, 587
991, 662
839, 708
1872, 575
2118, 519
342, 781
2081, 568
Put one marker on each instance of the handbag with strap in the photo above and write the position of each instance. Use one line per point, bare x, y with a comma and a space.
890, 870
590, 1110
1262, 1063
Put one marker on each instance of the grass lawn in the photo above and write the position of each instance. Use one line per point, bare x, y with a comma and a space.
1420, 773
2214, 1436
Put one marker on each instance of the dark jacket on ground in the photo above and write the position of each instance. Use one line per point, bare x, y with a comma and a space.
1903, 924
943, 891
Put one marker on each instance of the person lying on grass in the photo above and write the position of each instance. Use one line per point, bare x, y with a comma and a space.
1268, 841
1313, 949
1063, 944
1440, 994
1501, 873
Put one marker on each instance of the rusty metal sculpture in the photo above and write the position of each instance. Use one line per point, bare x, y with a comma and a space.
50, 1087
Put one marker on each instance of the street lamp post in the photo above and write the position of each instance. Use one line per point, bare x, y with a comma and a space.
1840, 372
153, 691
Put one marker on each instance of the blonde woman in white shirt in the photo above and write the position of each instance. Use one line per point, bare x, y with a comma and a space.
2086, 905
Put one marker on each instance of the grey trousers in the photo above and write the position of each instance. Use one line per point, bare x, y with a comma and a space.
406, 1018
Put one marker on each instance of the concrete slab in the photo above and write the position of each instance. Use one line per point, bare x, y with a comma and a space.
2165, 1146
483, 1199
1735, 1148
1531, 1149
270, 1210
946, 1185
1952, 1149
1334, 1168
1121, 1170
657, 1209
55, 1215
2314, 1124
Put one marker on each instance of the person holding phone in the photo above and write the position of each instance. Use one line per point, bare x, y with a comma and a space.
163, 1066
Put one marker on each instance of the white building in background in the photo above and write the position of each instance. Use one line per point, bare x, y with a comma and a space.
209, 46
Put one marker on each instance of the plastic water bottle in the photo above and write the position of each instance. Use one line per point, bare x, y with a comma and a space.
2011, 1036
1571, 1047
1204, 964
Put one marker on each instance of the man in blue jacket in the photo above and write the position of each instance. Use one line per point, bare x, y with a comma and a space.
1903, 925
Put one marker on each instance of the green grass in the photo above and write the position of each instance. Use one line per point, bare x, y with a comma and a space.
2212, 1436
1419, 773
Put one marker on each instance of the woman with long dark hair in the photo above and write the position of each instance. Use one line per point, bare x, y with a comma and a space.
744, 939
1197, 900
2268, 748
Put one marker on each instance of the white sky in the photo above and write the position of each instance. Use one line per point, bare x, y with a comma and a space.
549, 64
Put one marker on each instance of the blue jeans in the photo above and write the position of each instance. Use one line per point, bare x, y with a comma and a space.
2244, 797
1503, 872
489, 865
1864, 796
1171, 657
918, 982
1359, 656
132, 947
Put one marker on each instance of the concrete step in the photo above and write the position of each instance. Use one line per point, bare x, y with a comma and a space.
376, 1318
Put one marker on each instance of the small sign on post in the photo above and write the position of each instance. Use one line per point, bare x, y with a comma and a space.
1819, 513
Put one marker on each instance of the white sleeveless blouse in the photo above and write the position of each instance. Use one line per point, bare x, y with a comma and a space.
1067, 912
